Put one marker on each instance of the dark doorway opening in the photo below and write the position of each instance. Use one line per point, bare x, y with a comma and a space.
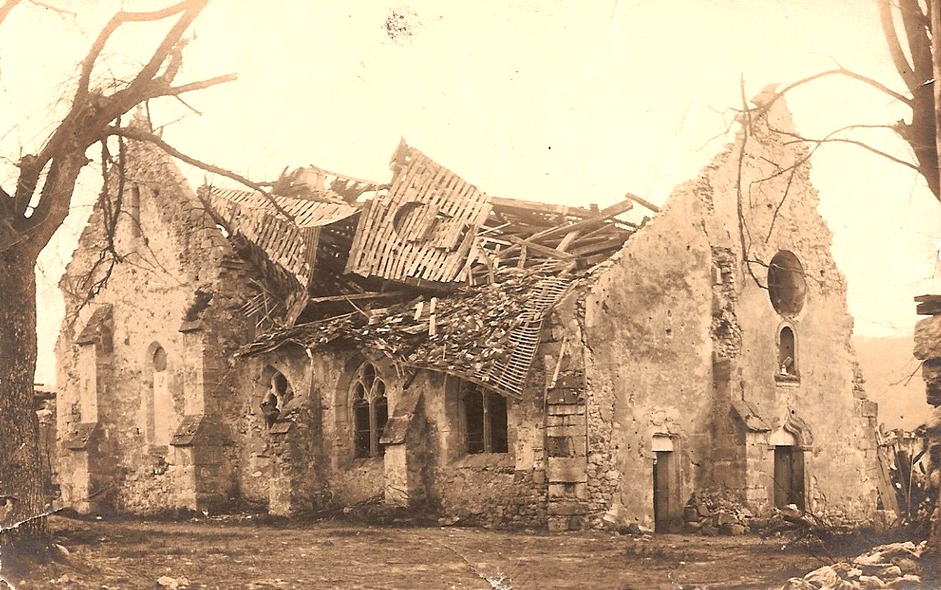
788, 476
662, 492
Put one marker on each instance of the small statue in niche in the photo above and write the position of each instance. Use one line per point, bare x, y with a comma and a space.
269, 408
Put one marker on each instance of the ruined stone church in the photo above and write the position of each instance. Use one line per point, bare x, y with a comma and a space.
422, 344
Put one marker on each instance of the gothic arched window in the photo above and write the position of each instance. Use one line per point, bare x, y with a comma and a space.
369, 409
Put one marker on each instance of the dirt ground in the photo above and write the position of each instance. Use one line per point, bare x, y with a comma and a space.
243, 553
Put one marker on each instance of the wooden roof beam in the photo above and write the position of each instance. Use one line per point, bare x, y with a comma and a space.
642, 202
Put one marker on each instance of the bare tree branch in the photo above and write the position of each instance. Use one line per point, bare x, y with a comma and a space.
902, 66
62, 156
744, 234
166, 47
141, 135
123, 17
849, 74
828, 138
56, 9
6, 8
177, 90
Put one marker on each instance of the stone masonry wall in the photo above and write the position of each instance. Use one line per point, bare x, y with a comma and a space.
679, 328
487, 489
763, 207
311, 466
648, 359
171, 251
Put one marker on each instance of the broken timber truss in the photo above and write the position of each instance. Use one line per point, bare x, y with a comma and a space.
427, 270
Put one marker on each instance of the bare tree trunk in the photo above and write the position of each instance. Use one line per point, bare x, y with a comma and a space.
934, 7
21, 478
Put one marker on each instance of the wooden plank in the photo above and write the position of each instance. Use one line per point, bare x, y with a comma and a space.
565, 420
565, 409
356, 296
603, 215
568, 239
884, 481
520, 204
360, 237
588, 250
538, 248
380, 212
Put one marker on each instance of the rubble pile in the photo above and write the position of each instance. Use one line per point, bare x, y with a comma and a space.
716, 512
886, 566
467, 331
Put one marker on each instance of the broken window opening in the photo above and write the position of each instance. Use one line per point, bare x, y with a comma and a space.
485, 420
278, 396
787, 353
787, 287
370, 411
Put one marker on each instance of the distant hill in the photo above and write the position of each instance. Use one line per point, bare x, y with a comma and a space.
893, 379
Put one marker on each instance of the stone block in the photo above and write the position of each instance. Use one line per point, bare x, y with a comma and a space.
733, 529
565, 469
566, 409
565, 420
566, 430
724, 518
568, 490
928, 338
567, 508
565, 446
564, 391
558, 524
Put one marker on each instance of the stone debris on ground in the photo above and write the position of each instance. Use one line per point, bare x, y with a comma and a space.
714, 512
172, 583
896, 565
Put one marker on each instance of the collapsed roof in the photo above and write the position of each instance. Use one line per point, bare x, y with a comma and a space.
428, 269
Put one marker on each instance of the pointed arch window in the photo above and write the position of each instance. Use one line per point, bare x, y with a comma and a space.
369, 409
484, 417
160, 406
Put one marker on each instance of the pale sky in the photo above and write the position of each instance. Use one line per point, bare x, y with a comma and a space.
569, 101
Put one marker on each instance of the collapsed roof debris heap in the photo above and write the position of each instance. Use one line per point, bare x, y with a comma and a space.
427, 270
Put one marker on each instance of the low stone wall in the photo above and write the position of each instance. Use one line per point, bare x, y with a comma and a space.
491, 495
